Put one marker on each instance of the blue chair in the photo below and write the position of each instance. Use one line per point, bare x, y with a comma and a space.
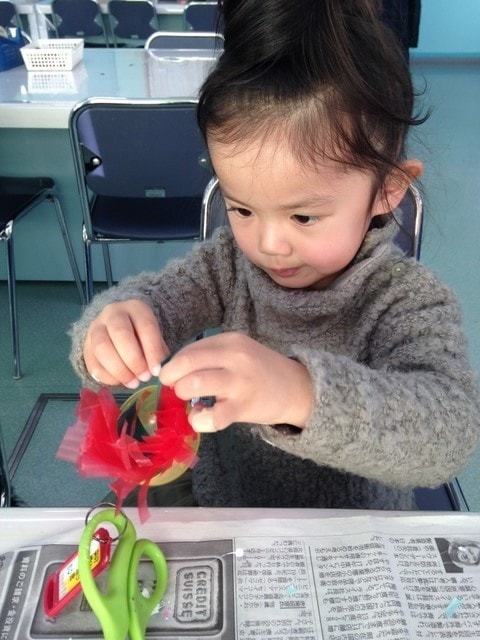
8, 15
403, 18
185, 40
409, 217
448, 497
77, 19
142, 169
203, 16
17, 197
132, 20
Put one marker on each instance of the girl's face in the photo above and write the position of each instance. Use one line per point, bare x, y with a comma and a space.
302, 226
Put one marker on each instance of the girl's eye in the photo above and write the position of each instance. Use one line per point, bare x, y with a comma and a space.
305, 221
243, 213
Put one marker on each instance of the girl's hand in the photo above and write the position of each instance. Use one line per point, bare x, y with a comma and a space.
251, 383
124, 345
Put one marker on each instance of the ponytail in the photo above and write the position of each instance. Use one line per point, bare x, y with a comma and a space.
328, 70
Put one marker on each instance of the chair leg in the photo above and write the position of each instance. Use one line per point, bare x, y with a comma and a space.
12, 296
68, 246
87, 246
107, 263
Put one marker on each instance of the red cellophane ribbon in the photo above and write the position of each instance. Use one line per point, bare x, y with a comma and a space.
101, 445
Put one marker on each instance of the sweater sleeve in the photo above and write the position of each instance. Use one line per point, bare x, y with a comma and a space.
409, 415
187, 296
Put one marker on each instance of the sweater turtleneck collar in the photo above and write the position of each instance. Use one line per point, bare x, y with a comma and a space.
377, 245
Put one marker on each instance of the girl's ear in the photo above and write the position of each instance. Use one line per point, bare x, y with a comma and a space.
391, 194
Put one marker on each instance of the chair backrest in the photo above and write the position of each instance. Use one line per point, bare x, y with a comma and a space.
136, 20
185, 40
409, 216
8, 15
138, 149
77, 18
203, 16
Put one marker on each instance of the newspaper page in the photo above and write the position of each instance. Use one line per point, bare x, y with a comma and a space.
369, 577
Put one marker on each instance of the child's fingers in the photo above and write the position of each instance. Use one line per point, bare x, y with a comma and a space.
98, 373
112, 348
202, 421
204, 354
128, 346
208, 382
217, 418
151, 340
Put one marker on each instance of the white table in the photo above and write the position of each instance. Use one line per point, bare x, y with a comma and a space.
234, 573
43, 100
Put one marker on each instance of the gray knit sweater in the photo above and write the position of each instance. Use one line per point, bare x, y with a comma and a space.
396, 405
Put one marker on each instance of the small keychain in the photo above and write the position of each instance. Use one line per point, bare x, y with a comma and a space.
64, 584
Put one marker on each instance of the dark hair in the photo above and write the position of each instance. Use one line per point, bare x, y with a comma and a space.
298, 63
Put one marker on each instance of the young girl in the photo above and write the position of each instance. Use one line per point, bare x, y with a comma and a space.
341, 377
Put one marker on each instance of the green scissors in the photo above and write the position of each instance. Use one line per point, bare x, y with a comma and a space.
122, 610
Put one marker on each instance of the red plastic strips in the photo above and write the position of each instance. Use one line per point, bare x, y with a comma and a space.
103, 443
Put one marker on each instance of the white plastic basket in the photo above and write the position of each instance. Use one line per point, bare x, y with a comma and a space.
53, 55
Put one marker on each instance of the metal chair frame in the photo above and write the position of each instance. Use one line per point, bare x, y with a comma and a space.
6, 235
202, 40
418, 220
414, 193
88, 235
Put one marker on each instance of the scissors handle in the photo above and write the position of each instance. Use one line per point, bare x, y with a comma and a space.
111, 607
141, 607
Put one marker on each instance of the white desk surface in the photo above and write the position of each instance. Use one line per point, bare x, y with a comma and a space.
319, 568
43, 100
21, 527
